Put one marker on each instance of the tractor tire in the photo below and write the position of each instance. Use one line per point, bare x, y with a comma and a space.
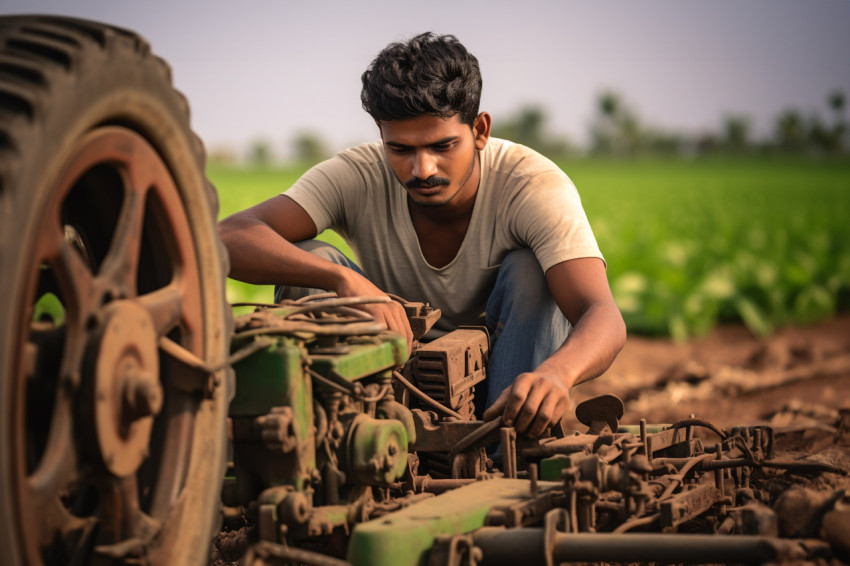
114, 328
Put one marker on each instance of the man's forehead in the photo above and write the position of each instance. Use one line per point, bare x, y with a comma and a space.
421, 130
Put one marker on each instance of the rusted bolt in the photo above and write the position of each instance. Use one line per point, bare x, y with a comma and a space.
142, 394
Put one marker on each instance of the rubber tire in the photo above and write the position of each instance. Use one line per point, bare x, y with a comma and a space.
59, 78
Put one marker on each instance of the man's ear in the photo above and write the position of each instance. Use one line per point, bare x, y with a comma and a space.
481, 130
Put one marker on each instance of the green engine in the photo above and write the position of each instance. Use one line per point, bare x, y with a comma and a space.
324, 424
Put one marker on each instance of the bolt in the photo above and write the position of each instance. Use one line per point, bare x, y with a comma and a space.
142, 394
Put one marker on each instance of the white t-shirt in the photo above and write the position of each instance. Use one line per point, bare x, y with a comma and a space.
524, 201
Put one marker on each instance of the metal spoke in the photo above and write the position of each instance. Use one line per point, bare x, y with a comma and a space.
121, 517
165, 306
119, 269
78, 285
55, 518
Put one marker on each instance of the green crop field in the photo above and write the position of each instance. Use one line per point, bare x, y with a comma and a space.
688, 243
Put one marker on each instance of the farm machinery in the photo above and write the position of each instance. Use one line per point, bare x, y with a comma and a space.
142, 422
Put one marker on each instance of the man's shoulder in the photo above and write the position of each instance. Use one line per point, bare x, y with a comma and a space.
370, 153
516, 167
514, 159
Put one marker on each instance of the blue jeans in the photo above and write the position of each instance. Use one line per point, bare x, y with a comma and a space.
524, 322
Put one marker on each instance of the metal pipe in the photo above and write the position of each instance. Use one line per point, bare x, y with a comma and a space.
422, 396
427, 484
527, 546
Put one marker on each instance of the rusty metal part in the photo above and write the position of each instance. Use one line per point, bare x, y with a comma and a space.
421, 316
529, 546
507, 435
433, 434
451, 365
267, 553
427, 484
601, 412
124, 365
457, 550
424, 397
478, 436
705, 423
331, 317
687, 505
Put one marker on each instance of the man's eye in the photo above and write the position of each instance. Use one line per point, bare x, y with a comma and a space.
443, 147
399, 149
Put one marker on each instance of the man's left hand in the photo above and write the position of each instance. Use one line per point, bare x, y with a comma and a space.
533, 403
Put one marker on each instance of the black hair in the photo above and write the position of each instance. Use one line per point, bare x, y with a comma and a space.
428, 74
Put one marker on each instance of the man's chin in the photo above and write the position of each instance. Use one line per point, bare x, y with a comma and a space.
433, 196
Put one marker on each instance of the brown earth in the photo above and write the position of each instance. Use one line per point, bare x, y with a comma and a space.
732, 377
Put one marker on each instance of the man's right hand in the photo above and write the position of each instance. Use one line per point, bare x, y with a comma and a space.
392, 313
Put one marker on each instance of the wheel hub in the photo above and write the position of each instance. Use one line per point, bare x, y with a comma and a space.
127, 393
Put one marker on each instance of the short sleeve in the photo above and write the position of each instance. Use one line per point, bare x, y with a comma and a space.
325, 190
547, 216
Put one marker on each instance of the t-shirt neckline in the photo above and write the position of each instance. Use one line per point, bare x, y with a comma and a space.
403, 212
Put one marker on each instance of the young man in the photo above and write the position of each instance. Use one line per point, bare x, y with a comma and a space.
440, 212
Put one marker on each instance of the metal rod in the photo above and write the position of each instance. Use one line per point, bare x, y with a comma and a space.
426, 484
477, 435
527, 546
508, 438
422, 396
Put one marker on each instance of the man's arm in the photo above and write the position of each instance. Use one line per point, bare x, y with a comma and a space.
538, 399
258, 240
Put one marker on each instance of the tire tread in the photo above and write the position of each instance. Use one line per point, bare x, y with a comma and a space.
40, 58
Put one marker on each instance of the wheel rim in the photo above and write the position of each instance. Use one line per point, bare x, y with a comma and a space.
104, 419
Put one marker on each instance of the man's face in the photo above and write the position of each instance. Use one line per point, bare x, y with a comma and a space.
435, 158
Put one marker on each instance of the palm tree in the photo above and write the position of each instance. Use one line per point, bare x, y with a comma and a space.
837, 102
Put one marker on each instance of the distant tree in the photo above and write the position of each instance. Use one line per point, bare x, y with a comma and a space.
821, 138
736, 133
260, 154
616, 128
837, 103
309, 147
528, 127
609, 104
790, 131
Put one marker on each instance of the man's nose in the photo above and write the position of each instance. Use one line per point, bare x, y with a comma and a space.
424, 165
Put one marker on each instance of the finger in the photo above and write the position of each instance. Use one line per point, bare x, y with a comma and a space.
496, 408
530, 407
546, 415
401, 324
516, 398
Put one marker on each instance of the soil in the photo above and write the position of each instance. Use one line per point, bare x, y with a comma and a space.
731, 377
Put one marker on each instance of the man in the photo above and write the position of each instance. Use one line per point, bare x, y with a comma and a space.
439, 212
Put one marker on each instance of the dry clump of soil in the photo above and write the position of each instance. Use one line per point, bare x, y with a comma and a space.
799, 376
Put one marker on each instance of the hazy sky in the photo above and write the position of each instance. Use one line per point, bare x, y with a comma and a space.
266, 68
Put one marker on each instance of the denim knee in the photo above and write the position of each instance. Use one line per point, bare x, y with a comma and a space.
520, 283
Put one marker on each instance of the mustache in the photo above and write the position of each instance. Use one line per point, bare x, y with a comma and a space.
432, 181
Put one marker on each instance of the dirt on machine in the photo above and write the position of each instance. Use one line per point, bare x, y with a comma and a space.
143, 422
